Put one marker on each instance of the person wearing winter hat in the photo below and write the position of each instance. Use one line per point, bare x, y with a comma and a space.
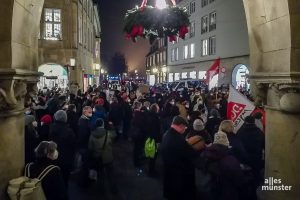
44, 130
31, 138
236, 145
64, 137
199, 129
61, 116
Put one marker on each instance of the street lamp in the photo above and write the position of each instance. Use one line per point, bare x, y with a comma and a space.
72, 62
164, 69
155, 70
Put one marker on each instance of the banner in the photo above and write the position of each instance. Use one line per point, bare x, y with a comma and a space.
238, 108
212, 71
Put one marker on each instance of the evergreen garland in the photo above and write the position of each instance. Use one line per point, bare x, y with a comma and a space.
151, 22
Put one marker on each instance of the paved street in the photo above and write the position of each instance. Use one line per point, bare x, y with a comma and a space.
130, 185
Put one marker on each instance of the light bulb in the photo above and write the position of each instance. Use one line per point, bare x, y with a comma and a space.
161, 4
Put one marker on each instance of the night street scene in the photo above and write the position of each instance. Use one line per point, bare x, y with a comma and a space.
149, 99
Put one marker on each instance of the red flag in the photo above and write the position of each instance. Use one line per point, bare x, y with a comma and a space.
213, 70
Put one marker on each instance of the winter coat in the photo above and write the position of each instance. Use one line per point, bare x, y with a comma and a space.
73, 121
96, 144
44, 131
227, 179
96, 115
212, 125
53, 184
153, 126
204, 134
64, 137
179, 170
138, 128
116, 114
40, 111
84, 132
254, 142
31, 142
237, 148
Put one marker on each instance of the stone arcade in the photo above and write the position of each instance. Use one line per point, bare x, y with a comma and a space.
274, 39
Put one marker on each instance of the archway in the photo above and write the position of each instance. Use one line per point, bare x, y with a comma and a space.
273, 28
54, 75
239, 77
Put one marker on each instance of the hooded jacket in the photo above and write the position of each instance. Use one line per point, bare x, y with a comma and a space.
97, 146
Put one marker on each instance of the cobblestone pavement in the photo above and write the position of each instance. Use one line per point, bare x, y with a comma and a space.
130, 185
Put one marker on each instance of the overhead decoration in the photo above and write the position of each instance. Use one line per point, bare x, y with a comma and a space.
159, 21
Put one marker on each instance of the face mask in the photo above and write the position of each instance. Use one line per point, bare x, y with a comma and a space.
89, 115
42, 123
55, 155
94, 110
172, 102
187, 106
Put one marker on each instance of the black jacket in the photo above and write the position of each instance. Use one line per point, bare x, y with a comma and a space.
179, 170
227, 179
237, 148
253, 140
44, 132
53, 184
73, 121
153, 126
64, 137
84, 132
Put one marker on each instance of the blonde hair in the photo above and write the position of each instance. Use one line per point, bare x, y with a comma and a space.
226, 126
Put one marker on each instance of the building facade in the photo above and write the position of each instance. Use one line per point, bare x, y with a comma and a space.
215, 31
69, 43
156, 61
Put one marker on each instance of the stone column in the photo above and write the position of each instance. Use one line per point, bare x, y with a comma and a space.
19, 23
273, 28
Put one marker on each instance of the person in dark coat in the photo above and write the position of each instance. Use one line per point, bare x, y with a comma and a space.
116, 115
99, 113
31, 138
153, 132
84, 132
237, 147
65, 139
178, 163
40, 109
199, 129
138, 132
44, 129
53, 184
127, 117
72, 118
213, 122
227, 179
254, 142
169, 112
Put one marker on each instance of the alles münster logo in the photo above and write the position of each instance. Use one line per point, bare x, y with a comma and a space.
273, 184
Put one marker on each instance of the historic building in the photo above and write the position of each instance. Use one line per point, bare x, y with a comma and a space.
273, 30
156, 61
69, 43
218, 29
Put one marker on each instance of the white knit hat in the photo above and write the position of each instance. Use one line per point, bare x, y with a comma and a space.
221, 138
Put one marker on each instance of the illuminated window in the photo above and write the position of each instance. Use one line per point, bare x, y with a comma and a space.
204, 24
176, 54
192, 53
185, 51
212, 21
204, 47
52, 19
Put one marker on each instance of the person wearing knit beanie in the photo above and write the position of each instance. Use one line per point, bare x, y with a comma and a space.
221, 138
198, 125
61, 116
46, 119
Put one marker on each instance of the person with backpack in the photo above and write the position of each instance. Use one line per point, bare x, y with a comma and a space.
100, 147
52, 183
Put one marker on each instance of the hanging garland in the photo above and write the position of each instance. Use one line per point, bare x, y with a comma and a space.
151, 22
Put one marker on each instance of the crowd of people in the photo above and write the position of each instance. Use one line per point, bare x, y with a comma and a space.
202, 156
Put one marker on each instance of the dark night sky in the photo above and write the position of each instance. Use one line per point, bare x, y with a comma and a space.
112, 13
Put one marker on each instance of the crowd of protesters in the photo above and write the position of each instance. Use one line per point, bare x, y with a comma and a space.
203, 158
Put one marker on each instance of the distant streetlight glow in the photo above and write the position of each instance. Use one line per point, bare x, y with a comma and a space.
155, 70
161, 4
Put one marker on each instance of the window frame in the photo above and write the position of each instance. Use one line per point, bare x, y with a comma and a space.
204, 51
212, 25
205, 19
212, 45
52, 23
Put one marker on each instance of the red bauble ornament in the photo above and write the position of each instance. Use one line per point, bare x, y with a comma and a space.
182, 31
172, 38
